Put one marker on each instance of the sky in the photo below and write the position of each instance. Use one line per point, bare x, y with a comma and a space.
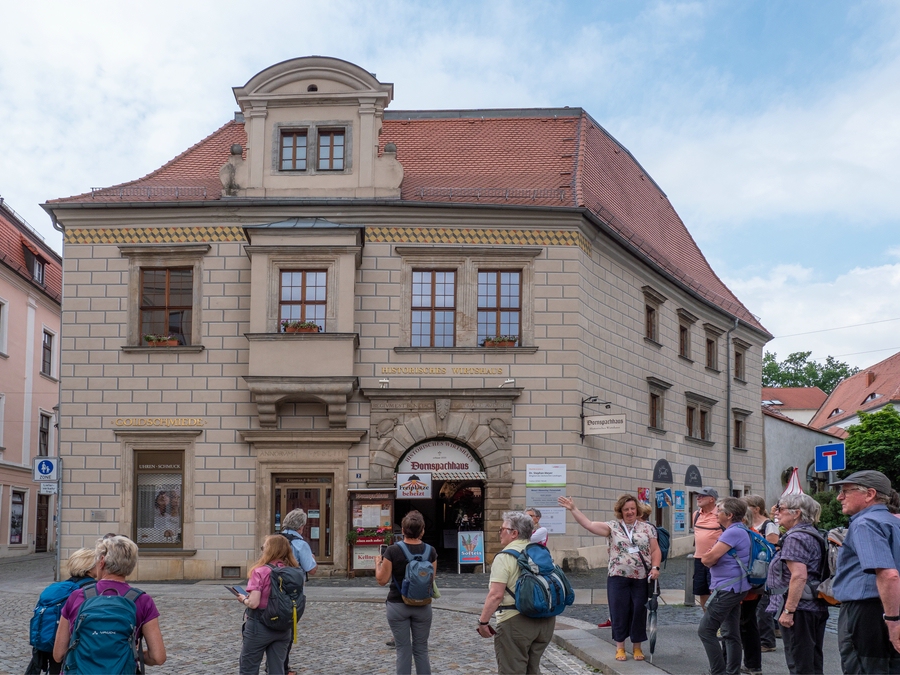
772, 127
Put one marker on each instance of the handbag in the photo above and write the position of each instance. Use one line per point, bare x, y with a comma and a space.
435, 593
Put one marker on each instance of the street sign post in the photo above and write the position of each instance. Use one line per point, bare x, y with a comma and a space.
45, 469
830, 457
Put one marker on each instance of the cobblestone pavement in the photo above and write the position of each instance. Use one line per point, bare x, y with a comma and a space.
202, 632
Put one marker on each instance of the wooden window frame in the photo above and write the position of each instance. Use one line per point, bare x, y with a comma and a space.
47, 354
169, 308
432, 309
44, 422
699, 418
295, 159
498, 309
303, 303
331, 133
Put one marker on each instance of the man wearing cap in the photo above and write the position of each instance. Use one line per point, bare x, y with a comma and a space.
866, 581
706, 534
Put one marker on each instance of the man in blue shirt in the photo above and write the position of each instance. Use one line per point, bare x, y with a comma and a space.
729, 585
291, 526
866, 581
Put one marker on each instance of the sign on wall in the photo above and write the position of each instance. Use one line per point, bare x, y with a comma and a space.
413, 486
45, 468
603, 425
664, 498
662, 472
544, 484
438, 456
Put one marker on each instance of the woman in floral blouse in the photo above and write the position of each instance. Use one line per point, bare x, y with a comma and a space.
634, 556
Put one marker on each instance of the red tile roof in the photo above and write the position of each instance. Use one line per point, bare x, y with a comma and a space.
520, 157
15, 236
773, 411
795, 398
852, 394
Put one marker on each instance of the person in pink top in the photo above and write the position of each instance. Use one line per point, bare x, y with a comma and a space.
706, 533
260, 639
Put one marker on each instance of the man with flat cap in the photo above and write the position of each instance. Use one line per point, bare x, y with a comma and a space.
866, 581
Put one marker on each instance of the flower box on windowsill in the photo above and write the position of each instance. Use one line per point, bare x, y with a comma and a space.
314, 329
160, 341
501, 341
300, 327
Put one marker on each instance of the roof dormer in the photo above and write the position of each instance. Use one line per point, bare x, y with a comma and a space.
312, 128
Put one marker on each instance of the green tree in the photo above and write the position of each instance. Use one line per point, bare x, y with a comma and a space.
874, 443
798, 371
832, 515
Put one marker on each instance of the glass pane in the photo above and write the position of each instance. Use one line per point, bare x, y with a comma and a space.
181, 288
338, 164
153, 322
158, 508
153, 289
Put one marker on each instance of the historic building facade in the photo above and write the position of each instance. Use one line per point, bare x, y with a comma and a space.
30, 294
195, 413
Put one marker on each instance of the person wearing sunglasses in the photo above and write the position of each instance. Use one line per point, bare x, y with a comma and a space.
867, 582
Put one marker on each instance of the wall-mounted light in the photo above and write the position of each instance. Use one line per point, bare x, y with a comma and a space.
385, 383
509, 381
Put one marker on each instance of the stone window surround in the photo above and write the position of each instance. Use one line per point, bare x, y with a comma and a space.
466, 262
740, 415
653, 301
54, 350
702, 404
657, 387
162, 256
162, 440
686, 320
311, 127
712, 333
740, 347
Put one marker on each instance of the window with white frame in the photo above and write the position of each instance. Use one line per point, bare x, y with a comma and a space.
47, 354
457, 296
4, 324
17, 517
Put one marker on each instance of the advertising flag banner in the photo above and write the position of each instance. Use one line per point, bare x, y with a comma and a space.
664, 498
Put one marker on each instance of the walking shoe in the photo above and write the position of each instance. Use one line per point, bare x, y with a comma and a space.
765, 648
390, 643
605, 624
778, 633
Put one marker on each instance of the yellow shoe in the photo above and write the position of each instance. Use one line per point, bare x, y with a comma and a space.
620, 655
638, 654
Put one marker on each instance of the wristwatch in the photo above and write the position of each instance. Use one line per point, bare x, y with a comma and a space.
483, 623
655, 567
890, 618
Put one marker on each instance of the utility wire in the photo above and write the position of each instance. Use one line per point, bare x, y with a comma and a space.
825, 330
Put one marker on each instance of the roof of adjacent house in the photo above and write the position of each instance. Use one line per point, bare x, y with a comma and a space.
548, 158
794, 398
772, 411
15, 237
868, 390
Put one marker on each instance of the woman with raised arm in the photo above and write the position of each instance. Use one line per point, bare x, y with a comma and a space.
634, 557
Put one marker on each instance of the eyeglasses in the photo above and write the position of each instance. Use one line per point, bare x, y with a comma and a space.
507, 529
846, 491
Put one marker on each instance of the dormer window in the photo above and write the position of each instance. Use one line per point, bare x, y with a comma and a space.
293, 150
331, 150
35, 264
836, 411
872, 397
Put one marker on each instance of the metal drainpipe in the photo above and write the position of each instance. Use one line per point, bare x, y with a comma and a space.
728, 383
59, 481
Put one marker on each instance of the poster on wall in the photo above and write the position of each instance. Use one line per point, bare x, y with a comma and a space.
679, 521
470, 550
544, 484
679, 500
364, 557
644, 495
664, 498
413, 486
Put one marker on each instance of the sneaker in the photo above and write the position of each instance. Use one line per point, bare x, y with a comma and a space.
778, 633
605, 624
764, 648
391, 643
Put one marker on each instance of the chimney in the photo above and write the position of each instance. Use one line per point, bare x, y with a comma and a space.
870, 378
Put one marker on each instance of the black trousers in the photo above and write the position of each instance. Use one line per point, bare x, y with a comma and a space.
765, 622
803, 643
750, 635
627, 608
863, 639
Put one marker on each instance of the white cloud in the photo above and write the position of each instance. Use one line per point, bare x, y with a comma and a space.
792, 300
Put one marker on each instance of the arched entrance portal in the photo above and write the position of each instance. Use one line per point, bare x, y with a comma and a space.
457, 492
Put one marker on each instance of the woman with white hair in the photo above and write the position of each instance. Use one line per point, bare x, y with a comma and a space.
291, 527
802, 616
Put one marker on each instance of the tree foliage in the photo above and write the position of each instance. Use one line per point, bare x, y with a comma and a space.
798, 371
874, 443
832, 515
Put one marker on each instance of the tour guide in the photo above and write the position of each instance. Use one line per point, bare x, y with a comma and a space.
867, 582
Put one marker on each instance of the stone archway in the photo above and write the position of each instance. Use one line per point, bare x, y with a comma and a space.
478, 418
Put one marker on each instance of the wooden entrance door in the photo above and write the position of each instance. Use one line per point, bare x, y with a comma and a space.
313, 494
41, 533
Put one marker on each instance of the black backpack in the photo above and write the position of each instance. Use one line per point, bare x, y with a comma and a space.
286, 599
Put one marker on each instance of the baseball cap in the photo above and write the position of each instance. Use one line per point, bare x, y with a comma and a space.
708, 492
868, 478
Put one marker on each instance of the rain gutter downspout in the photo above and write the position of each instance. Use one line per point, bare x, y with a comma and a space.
728, 384
59, 481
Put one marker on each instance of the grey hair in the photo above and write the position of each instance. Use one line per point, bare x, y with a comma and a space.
120, 553
534, 511
295, 520
808, 507
733, 507
521, 522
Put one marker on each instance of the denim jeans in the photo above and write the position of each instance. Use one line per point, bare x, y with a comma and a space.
723, 610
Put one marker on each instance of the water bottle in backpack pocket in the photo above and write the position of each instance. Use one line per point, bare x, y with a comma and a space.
418, 581
104, 635
761, 554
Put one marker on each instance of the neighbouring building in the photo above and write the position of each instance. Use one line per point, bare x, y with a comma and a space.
193, 416
30, 295
869, 391
798, 403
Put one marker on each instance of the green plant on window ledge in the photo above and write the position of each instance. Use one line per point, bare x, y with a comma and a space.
292, 326
501, 341
357, 532
156, 340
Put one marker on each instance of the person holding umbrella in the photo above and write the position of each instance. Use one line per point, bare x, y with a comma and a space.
634, 557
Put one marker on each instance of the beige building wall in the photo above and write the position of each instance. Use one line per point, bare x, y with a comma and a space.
585, 338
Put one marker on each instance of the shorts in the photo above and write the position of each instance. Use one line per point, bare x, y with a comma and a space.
702, 577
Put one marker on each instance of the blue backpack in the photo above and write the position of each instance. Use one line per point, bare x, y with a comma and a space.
105, 635
418, 582
542, 589
664, 539
761, 554
42, 632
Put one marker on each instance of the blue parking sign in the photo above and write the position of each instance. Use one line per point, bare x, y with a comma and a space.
830, 457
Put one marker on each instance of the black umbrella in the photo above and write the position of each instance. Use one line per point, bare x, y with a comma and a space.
652, 609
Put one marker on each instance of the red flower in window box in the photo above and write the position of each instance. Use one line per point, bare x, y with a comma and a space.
300, 326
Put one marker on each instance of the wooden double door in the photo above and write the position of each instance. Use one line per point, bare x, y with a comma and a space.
315, 495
